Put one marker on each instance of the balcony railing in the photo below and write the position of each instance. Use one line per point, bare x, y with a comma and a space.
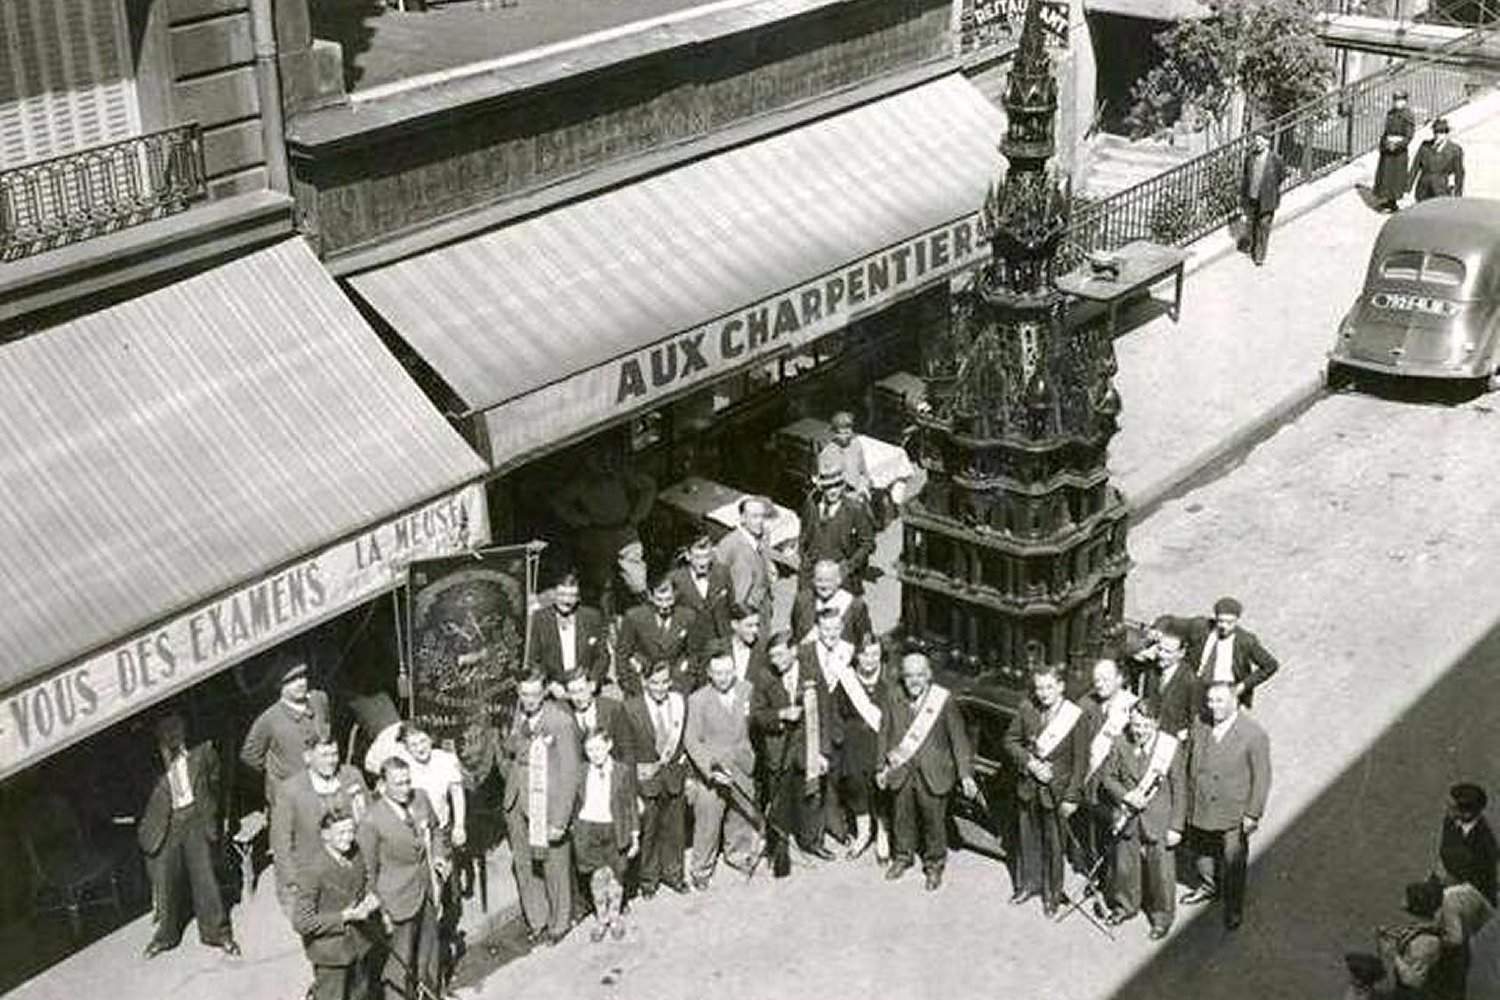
99, 190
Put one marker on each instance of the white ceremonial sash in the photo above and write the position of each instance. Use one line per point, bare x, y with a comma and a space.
676, 719
1163, 750
933, 700
813, 748
1058, 729
1116, 717
536, 793
835, 663
860, 698
840, 602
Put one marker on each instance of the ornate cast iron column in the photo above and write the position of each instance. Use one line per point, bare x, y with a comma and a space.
1016, 547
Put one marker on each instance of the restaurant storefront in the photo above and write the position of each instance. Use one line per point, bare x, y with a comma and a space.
189, 481
695, 321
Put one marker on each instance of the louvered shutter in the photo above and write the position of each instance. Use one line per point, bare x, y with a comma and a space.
65, 78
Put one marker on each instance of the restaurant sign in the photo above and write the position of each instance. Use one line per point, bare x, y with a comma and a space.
88, 695
788, 321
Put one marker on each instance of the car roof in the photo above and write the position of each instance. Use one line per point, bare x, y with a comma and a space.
1460, 226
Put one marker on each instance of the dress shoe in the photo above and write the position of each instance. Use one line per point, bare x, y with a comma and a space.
556, 937
1118, 917
700, 882
228, 946
1050, 907
1157, 933
678, 886
897, 869
820, 852
1232, 921
1022, 896
617, 930
1193, 897
934, 879
860, 850
155, 948
647, 891
597, 932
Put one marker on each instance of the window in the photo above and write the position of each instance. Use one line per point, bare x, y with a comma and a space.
1441, 270
1404, 265
65, 78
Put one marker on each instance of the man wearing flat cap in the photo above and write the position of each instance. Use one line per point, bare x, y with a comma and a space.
1466, 846
836, 526
1225, 653
1438, 169
1390, 172
278, 736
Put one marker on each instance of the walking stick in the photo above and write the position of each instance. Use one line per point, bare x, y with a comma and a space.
1091, 887
423, 991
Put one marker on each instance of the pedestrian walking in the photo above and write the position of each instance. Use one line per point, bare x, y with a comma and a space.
1260, 193
1391, 174
1438, 169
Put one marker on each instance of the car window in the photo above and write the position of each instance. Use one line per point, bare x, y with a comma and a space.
1441, 270
1403, 265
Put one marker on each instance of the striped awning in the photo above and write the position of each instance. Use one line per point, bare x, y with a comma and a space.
162, 450
574, 317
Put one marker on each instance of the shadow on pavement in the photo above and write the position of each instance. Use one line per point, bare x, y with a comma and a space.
1336, 871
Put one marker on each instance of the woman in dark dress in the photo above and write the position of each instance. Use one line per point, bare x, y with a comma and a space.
858, 704
1391, 173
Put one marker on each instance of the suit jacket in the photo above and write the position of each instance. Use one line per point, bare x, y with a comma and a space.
805, 617
564, 758
712, 610
1252, 662
591, 646
1069, 759
1177, 704
1166, 810
848, 537
1471, 858
156, 815
623, 809
1094, 717
609, 716
1438, 171
750, 570
1266, 198
783, 744
642, 641
296, 837
1230, 779
325, 889
715, 736
396, 853
670, 774
945, 756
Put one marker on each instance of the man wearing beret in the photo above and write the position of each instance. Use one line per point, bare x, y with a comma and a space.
1225, 653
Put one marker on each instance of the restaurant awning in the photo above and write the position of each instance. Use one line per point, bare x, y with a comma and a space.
158, 452
1166, 11
575, 317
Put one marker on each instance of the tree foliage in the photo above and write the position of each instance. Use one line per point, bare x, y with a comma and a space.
1268, 51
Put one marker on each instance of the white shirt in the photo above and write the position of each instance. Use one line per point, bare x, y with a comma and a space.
1221, 648
567, 631
1221, 728
178, 778
741, 655
596, 794
789, 681
827, 660
383, 747
588, 718
664, 719
435, 777
700, 583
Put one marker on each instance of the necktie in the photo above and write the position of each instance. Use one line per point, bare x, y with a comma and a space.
663, 728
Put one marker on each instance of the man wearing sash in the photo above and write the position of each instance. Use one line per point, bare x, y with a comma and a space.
926, 752
542, 758
1050, 751
827, 592
658, 717
722, 789
830, 657
1106, 714
1143, 781
789, 713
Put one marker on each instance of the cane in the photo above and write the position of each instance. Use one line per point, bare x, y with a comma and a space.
424, 992
1091, 885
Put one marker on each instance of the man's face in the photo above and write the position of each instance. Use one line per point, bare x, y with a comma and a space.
530, 694
340, 835
1226, 622
747, 629
171, 733
781, 657
1262, 143
398, 785
869, 659
1399, 102
1106, 679
721, 673
826, 580
323, 760
581, 693
419, 745
1460, 814
754, 518
1169, 651
295, 690
916, 674
663, 599
833, 492
597, 748
658, 684
565, 598
700, 557
829, 629
1048, 689
1220, 702
1142, 728
843, 434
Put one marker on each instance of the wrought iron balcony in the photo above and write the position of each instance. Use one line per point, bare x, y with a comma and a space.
82, 195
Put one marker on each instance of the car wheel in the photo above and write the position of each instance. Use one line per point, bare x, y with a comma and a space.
1338, 377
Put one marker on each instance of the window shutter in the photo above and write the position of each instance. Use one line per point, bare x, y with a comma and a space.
65, 78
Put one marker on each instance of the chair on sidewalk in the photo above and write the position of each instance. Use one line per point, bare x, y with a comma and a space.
69, 872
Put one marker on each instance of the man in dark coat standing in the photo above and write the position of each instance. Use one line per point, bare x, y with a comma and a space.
1391, 172
657, 632
333, 901
1229, 780
566, 637
836, 526
1438, 169
658, 720
1466, 845
179, 834
1224, 651
791, 717
925, 752
1260, 193
705, 588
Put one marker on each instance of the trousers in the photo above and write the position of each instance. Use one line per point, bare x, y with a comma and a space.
187, 885
1144, 877
341, 982
920, 813
663, 828
1260, 232
1220, 857
1042, 851
715, 821
414, 955
545, 886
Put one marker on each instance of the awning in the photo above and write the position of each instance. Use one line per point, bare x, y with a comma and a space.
580, 315
1167, 11
161, 451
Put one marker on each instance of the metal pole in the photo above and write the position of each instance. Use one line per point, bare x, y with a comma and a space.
268, 89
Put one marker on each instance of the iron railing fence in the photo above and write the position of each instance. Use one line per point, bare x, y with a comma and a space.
82, 195
1198, 196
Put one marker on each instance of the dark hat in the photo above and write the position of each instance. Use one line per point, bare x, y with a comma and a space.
1441, 125
1423, 899
291, 670
1399, 95
1364, 968
1228, 606
1468, 797
830, 470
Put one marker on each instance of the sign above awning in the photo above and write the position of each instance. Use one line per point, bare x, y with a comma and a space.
573, 318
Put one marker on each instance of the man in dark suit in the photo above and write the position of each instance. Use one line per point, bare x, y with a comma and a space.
323, 786
595, 711
1229, 780
658, 718
1466, 845
1438, 168
333, 902
828, 591
924, 752
406, 852
746, 647
837, 527
660, 632
179, 834
543, 739
1050, 751
1260, 193
1144, 782
567, 637
1166, 681
705, 588
1227, 653
791, 718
